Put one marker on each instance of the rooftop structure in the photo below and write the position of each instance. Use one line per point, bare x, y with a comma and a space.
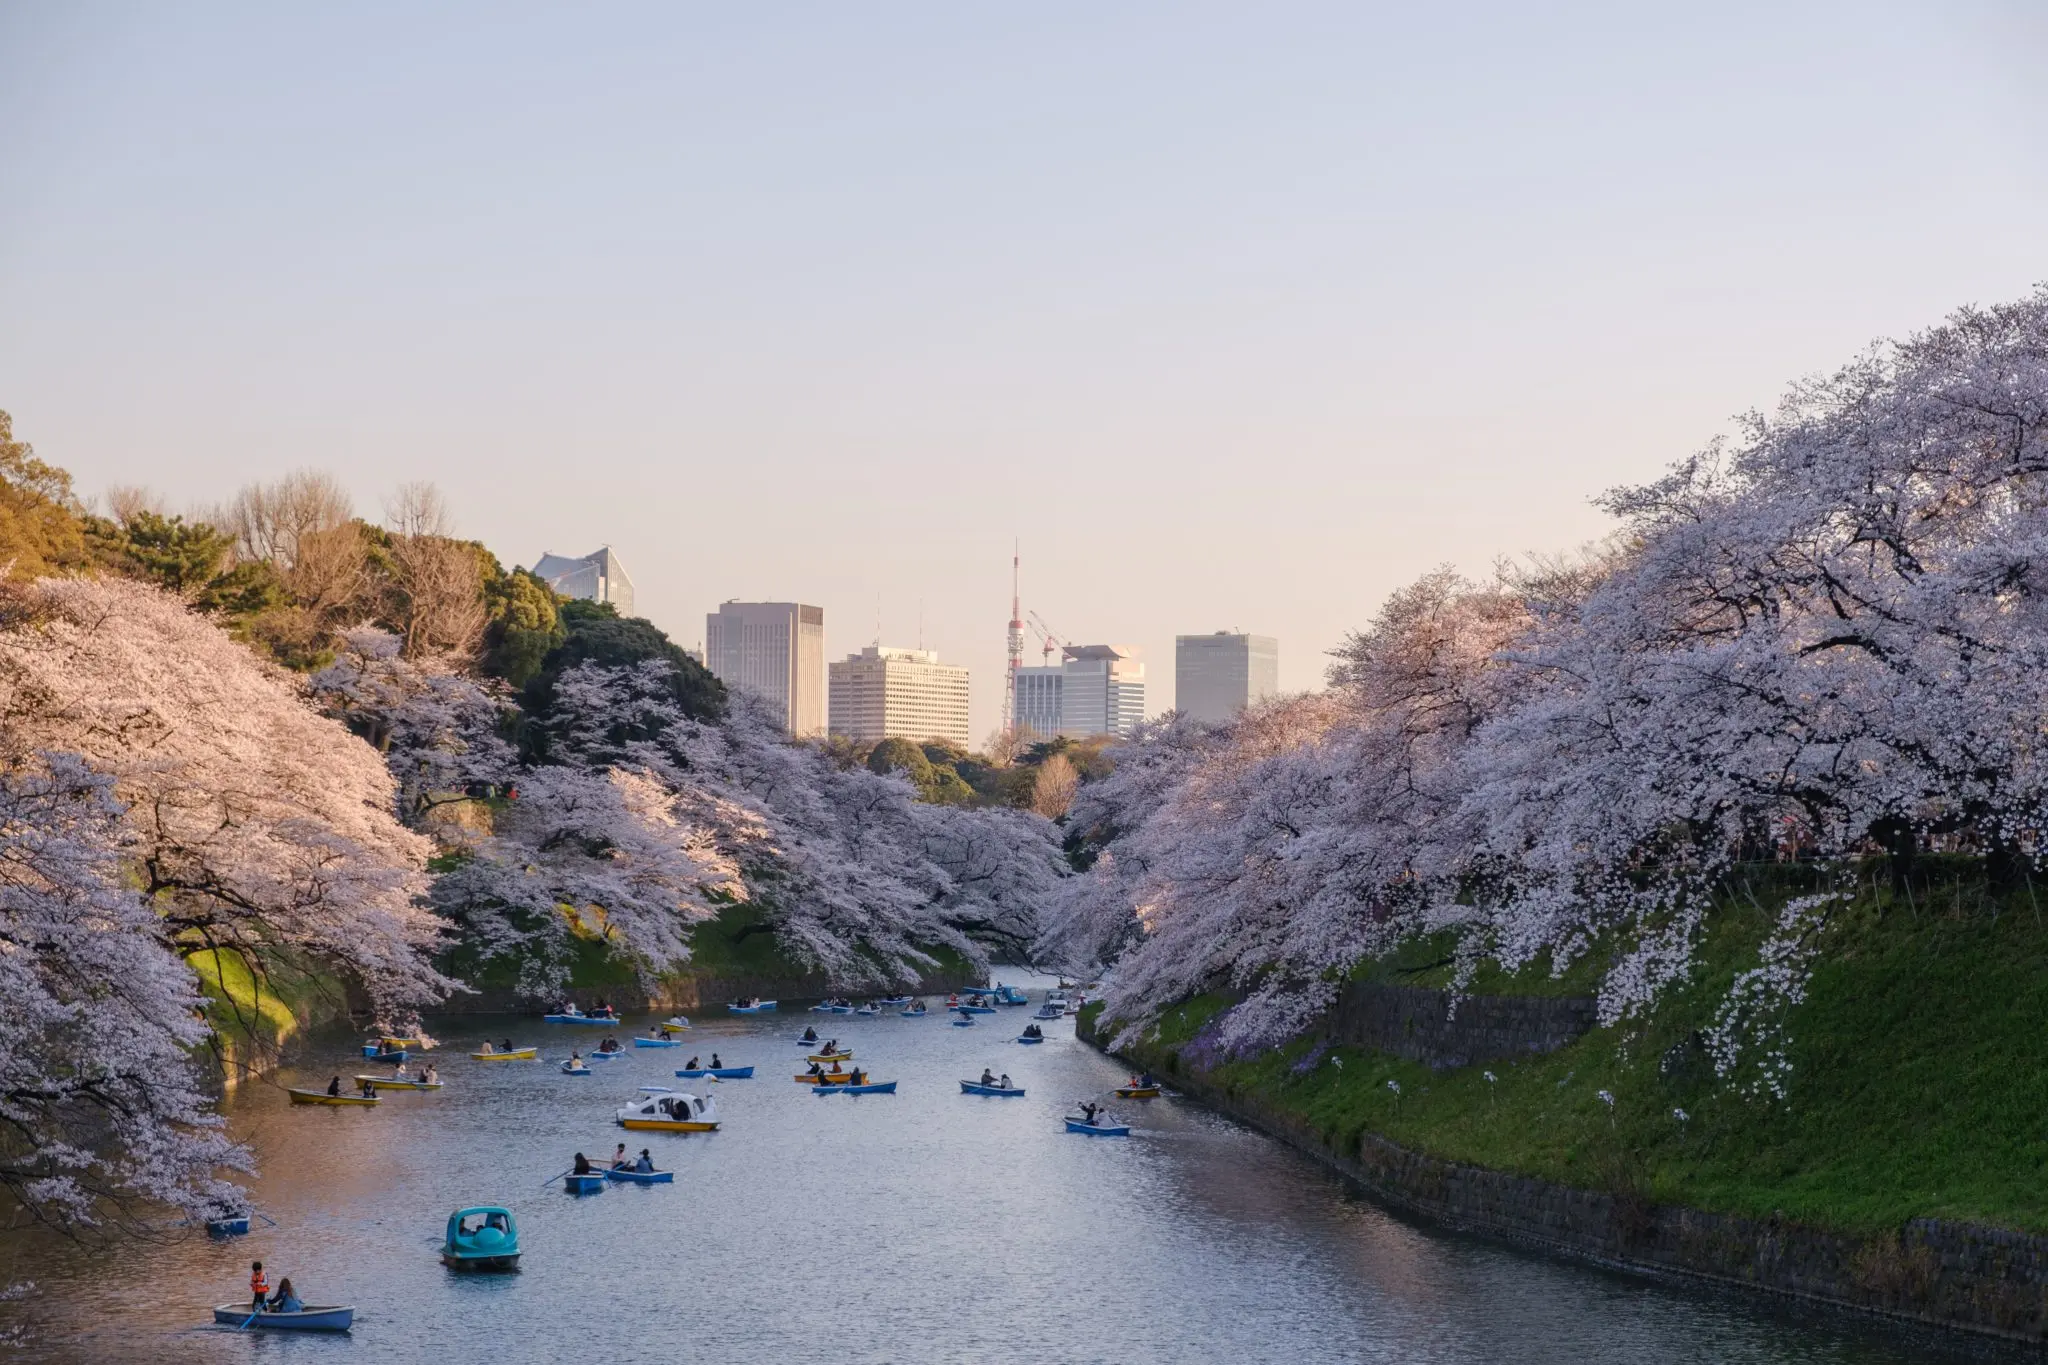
595, 577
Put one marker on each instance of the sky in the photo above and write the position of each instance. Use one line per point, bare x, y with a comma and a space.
1234, 316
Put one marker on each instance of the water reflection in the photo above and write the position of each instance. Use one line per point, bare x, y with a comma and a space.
927, 1226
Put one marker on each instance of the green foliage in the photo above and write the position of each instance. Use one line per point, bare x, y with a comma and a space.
525, 624
1917, 1091
41, 532
596, 633
184, 558
900, 755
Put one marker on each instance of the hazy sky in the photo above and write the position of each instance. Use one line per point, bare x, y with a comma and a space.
1239, 316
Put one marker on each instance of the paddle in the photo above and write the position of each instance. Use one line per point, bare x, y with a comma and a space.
251, 1318
553, 1178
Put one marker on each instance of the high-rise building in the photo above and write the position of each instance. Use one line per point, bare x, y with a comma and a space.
1217, 676
884, 691
596, 577
776, 649
1094, 690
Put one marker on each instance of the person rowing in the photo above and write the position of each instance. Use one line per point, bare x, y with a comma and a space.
987, 1077
690, 1065
430, 1076
619, 1158
1088, 1113
334, 1086
505, 1046
716, 1065
817, 1069
582, 1166
810, 1035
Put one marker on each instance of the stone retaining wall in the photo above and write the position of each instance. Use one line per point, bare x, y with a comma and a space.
1420, 1025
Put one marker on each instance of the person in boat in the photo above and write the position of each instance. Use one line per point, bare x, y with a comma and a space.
1003, 1082
645, 1165
582, 1166
690, 1065
369, 1091
619, 1158
259, 1286
987, 1077
398, 1071
505, 1046
575, 1057
1145, 1081
715, 1063
430, 1076
859, 1077
810, 1035
334, 1086
817, 1069
1088, 1113
1031, 1031
610, 1044
286, 1300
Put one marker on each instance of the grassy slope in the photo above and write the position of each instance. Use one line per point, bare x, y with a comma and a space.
1920, 1084
266, 1014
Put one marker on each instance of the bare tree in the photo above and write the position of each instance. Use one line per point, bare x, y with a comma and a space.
1053, 791
268, 520
127, 501
438, 580
1002, 746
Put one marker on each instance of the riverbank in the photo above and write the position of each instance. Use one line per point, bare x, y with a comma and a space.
1902, 1176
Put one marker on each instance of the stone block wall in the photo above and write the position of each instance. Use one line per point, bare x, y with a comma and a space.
1422, 1026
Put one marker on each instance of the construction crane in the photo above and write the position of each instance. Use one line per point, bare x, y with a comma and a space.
1049, 643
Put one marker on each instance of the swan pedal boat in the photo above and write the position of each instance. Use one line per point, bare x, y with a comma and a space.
517, 1054
676, 1112
723, 1073
871, 1088
656, 1042
764, 1007
1137, 1092
1099, 1129
1027, 1038
977, 1088
633, 1177
387, 1083
322, 1097
491, 1244
310, 1319
822, 1057
583, 1184
825, 1078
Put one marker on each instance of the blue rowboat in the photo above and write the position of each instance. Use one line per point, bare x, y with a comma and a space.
871, 1088
1099, 1129
1049, 1012
913, 1014
656, 1042
608, 1020
485, 1237
765, 1007
894, 1000
977, 1088
975, 1009
372, 1049
641, 1177
238, 1226
869, 1010
831, 1009
328, 1319
568, 1070
724, 1073
604, 1056
964, 1023
584, 1184
1027, 1038
389, 1058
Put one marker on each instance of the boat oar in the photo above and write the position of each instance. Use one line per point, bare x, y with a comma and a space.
251, 1318
553, 1178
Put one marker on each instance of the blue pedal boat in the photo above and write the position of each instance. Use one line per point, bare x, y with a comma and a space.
656, 1042
871, 1088
1027, 1038
584, 1184
482, 1238
724, 1073
641, 1177
328, 1319
1099, 1129
764, 1007
1010, 995
977, 1088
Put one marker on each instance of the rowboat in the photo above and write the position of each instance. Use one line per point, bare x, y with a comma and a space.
656, 1042
1137, 1092
976, 1009
968, 1022
641, 1177
605, 1056
1099, 1129
674, 1025
760, 1007
329, 1319
823, 1057
1049, 1012
517, 1054
977, 1088
824, 1078
1027, 1038
481, 1238
387, 1058
607, 1020
322, 1097
571, 1069
237, 1226
871, 1088
868, 1010
677, 1112
387, 1083
392, 1040
831, 1009
812, 1041
894, 1000
583, 1184
913, 1014
724, 1073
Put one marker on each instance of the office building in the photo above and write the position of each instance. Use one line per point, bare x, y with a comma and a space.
907, 693
775, 649
1093, 690
596, 577
1217, 676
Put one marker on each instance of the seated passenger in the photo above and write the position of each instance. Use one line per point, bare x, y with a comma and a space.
645, 1165
582, 1165
286, 1300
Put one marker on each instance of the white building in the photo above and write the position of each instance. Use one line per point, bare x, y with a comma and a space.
776, 649
1217, 676
1094, 690
596, 577
907, 693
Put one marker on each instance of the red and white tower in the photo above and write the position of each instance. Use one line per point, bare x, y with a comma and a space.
1016, 646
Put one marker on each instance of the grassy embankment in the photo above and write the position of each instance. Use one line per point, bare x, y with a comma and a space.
253, 1017
1919, 1084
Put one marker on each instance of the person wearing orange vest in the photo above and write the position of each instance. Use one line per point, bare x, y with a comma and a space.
258, 1286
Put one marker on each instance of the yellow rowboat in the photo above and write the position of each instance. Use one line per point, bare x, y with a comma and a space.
387, 1083
822, 1057
518, 1054
322, 1097
673, 1028
834, 1078
394, 1044
669, 1125
1137, 1092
